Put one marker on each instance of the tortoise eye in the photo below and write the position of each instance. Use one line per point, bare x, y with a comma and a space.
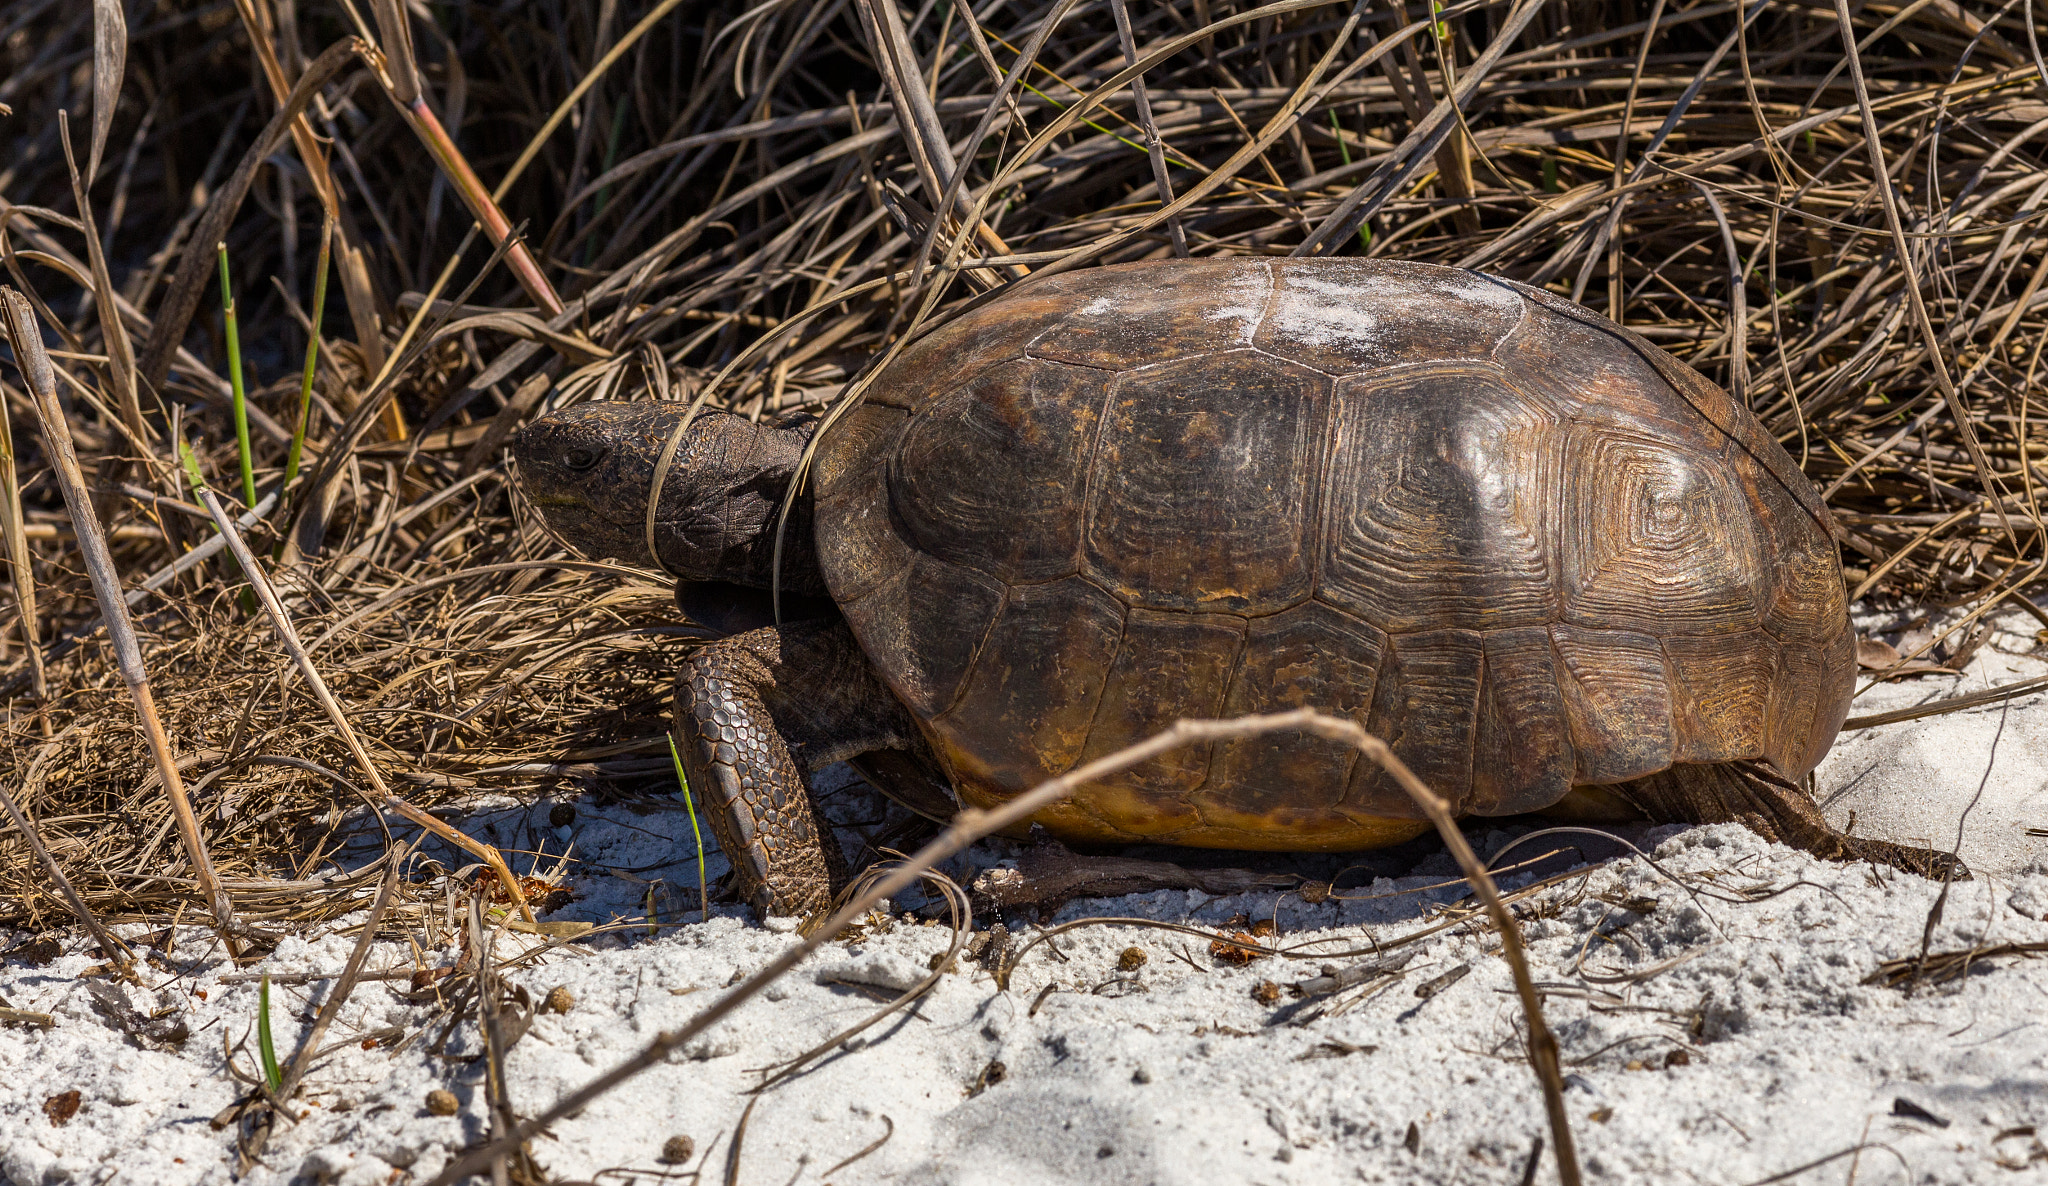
581, 459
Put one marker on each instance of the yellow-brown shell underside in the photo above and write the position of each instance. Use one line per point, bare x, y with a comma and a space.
1523, 545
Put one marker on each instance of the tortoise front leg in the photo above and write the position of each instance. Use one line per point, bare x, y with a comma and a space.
755, 714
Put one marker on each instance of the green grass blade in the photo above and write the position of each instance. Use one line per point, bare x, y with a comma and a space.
320, 269
703, 895
227, 304
191, 460
1344, 150
264, 1045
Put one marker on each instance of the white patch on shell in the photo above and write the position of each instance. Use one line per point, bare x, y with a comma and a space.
1481, 291
1243, 301
1317, 312
1097, 307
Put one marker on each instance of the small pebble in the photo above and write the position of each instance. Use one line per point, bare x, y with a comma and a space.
1131, 959
1265, 992
677, 1150
560, 999
442, 1102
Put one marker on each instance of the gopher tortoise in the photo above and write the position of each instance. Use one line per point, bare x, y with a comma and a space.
1550, 565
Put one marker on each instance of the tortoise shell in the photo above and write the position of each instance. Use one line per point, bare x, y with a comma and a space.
1523, 545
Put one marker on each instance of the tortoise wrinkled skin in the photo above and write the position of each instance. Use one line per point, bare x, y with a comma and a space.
1527, 548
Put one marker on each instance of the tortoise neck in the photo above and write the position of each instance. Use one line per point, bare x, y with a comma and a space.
744, 470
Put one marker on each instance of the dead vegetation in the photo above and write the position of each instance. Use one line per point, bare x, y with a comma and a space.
1836, 210
698, 183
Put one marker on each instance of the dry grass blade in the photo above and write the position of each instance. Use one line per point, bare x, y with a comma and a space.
109, 62
114, 334
188, 284
355, 280
1888, 201
974, 824
21, 569
24, 334
1939, 967
401, 76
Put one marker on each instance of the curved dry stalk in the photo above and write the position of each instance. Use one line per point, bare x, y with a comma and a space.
973, 824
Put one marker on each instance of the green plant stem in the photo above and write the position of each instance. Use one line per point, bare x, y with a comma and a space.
291, 461
267, 1048
1344, 150
703, 895
191, 460
227, 304
197, 478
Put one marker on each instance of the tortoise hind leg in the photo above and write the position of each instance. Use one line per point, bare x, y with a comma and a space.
757, 713
1759, 798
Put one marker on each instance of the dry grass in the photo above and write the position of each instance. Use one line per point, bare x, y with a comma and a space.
732, 167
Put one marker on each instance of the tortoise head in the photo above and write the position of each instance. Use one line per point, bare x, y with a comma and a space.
590, 470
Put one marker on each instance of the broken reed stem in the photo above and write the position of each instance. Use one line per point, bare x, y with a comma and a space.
19, 561
488, 214
289, 636
973, 824
40, 377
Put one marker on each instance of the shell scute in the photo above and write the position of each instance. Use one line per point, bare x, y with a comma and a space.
1809, 698
1654, 538
1346, 316
1522, 756
1720, 695
1127, 315
962, 348
1024, 713
1171, 665
862, 441
1311, 656
1600, 374
1442, 491
930, 617
991, 475
1204, 484
1617, 696
865, 544
1804, 599
1424, 708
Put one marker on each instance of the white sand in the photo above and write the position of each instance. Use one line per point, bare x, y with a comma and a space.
1177, 1074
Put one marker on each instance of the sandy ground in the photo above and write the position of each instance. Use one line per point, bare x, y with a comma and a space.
1712, 1007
